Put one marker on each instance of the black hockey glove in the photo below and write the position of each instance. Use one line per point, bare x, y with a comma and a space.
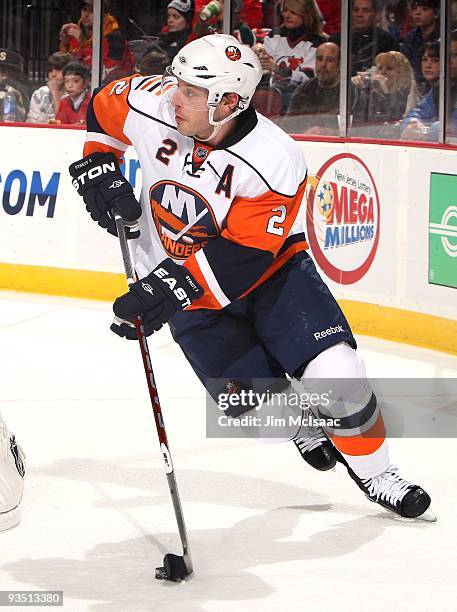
155, 298
99, 180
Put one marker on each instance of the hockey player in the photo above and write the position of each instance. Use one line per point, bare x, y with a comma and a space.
12, 471
222, 256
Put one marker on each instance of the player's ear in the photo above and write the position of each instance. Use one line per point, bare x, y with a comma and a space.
230, 100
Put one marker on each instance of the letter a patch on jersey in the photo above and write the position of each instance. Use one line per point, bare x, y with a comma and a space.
183, 218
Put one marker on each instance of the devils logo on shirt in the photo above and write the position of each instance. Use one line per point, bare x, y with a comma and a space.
183, 218
233, 53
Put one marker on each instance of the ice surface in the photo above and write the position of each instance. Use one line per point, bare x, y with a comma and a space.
267, 532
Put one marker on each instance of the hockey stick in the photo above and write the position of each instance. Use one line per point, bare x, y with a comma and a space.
175, 567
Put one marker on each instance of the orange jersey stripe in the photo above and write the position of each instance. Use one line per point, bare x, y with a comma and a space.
364, 444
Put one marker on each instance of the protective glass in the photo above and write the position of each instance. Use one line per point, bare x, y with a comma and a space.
179, 93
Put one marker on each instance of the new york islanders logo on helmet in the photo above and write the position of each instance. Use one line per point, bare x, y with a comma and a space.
183, 218
233, 53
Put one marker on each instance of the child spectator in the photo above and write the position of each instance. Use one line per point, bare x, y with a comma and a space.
430, 66
45, 101
73, 106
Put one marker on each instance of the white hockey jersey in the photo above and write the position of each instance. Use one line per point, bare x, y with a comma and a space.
231, 214
298, 59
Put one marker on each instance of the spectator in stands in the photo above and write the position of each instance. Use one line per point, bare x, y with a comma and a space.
382, 96
174, 35
430, 66
367, 39
318, 99
45, 101
425, 21
11, 65
421, 123
73, 106
331, 12
153, 62
76, 38
288, 55
395, 17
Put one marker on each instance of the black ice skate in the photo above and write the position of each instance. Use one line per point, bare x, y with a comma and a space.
316, 449
396, 494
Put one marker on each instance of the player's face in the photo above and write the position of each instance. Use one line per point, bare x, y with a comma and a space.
191, 110
175, 21
363, 14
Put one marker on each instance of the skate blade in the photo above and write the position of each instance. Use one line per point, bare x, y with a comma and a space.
428, 516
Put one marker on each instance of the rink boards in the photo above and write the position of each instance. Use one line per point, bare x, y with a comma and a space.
381, 222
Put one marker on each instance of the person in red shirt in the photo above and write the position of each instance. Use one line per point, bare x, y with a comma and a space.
331, 12
73, 106
76, 38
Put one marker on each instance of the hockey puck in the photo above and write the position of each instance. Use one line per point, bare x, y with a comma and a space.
161, 574
174, 569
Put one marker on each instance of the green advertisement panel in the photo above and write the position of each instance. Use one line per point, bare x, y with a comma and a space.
442, 233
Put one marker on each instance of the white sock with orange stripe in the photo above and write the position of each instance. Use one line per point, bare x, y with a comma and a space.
339, 374
372, 465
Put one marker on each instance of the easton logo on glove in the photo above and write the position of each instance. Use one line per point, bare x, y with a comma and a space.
93, 173
179, 292
99, 180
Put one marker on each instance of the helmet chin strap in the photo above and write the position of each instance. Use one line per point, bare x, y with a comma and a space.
218, 124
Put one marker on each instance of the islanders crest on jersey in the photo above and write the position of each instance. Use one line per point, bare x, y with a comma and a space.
184, 220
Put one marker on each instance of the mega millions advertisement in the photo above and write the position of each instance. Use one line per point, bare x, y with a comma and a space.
343, 218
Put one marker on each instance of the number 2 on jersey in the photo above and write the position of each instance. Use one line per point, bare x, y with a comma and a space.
274, 221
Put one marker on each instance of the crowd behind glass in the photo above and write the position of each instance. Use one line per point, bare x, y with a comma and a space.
393, 86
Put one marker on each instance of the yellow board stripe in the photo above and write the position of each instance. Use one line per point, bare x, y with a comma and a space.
395, 324
61, 281
406, 326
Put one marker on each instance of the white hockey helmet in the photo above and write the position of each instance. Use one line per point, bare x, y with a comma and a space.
220, 64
